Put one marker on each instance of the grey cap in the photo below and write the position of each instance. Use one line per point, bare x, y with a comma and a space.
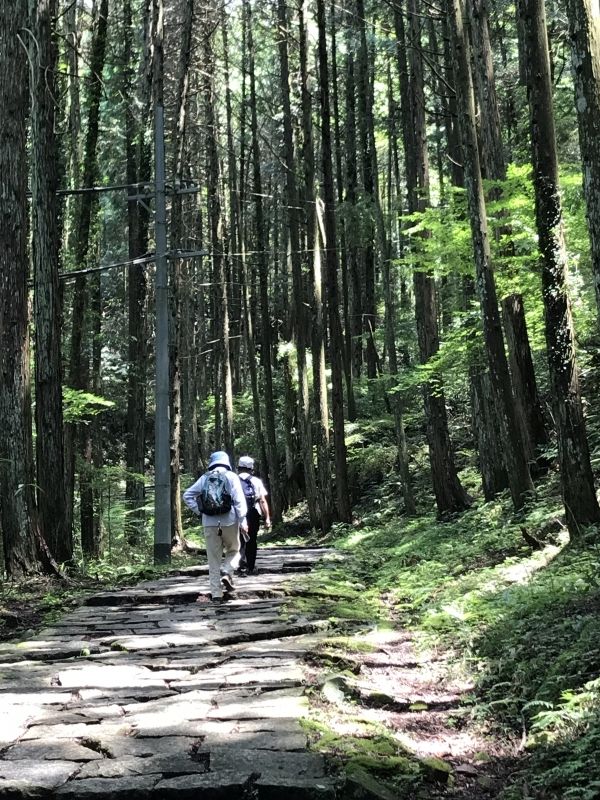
219, 458
246, 462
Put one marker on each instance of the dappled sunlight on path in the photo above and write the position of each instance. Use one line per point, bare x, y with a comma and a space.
152, 691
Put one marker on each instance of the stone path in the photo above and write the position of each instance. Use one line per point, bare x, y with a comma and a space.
153, 692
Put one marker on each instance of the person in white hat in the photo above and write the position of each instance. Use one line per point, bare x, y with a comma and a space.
256, 498
217, 495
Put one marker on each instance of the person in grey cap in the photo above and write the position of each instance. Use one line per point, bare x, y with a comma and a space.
218, 497
256, 498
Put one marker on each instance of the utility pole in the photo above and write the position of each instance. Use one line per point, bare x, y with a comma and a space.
162, 454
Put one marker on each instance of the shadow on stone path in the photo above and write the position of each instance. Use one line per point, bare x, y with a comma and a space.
152, 692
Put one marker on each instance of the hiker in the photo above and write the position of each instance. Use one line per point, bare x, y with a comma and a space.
256, 498
218, 496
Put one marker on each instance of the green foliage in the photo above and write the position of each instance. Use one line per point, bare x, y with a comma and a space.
523, 623
79, 406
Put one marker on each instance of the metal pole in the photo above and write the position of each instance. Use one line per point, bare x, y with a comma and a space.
162, 455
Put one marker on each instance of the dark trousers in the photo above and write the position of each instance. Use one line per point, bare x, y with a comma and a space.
248, 549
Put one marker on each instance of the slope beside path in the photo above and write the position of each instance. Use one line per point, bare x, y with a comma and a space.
153, 692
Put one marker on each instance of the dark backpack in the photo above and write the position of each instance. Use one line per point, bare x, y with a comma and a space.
215, 496
249, 491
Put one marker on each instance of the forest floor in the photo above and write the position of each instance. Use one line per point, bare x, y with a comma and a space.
394, 659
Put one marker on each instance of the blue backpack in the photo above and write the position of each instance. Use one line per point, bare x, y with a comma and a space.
215, 497
249, 491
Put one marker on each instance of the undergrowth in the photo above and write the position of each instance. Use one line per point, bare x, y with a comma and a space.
523, 623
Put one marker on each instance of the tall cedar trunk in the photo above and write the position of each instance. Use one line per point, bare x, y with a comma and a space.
521, 364
175, 278
350, 400
395, 400
51, 496
449, 493
215, 215
73, 125
492, 152
16, 449
313, 214
484, 417
272, 465
581, 505
137, 348
79, 356
300, 324
354, 339
336, 344
493, 166
366, 138
238, 198
584, 28
516, 459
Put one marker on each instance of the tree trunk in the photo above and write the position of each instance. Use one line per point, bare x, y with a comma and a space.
238, 200
51, 494
493, 164
137, 349
215, 219
449, 493
354, 338
488, 436
175, 281
584, 28
350, 400
263, 276
516, 460
366, 139
17, 499
336, 343
79, 356
523, 374
300, 326
312, 204
581, 505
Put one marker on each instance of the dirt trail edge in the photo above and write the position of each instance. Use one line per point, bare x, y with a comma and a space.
153, 692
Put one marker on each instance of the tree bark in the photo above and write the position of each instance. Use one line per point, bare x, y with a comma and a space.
342, 222
449, 493
354, 343
176, 280
366, 139
344, 508
215, 219
516, 460
579, 496
50, 462
300, 326
584, 29
137, 162
524, 381
314, 227
263, 277
17, 500
80, 351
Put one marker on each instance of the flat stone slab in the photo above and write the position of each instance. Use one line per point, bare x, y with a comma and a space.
152, 692
28, 778
137, 787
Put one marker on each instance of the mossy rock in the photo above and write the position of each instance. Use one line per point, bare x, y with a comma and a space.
436, 769
378, 699
360, 785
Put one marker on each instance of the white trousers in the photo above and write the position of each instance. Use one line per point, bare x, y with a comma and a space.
225, 547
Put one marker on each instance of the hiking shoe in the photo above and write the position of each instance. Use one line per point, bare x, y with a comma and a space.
216, 600
227, 583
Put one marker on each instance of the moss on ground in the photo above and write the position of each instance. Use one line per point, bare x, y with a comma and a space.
522, 623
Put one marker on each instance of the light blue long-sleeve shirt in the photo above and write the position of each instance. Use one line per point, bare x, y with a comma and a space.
239, 507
